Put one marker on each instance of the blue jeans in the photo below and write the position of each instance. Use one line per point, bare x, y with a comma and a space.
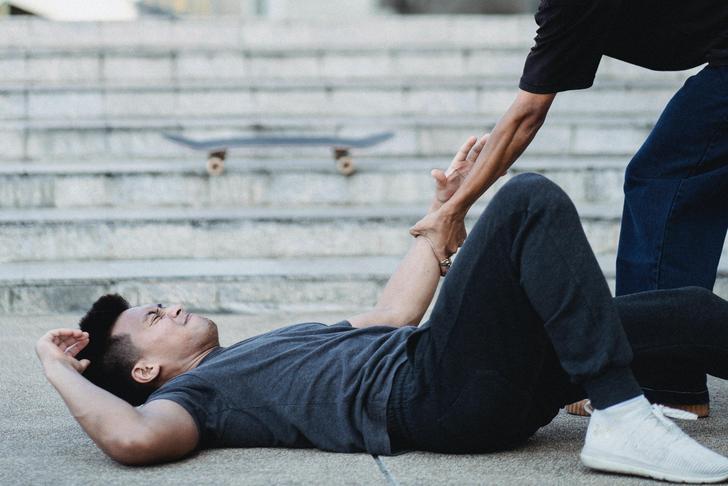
676, 210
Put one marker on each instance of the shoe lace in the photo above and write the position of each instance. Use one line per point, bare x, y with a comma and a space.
672, 437
663, 412
660, 410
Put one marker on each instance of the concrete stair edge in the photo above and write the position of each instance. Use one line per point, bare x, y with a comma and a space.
289, 83
299, 120
249, 286
297, 214
318, 268
235, 164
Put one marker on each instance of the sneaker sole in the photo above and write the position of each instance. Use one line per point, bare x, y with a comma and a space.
702, 410
614, 465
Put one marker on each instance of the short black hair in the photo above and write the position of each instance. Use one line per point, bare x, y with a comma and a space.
112, 358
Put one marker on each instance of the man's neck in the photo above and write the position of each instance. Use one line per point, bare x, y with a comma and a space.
191, 364
198, 358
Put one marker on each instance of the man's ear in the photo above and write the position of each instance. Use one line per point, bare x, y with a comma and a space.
145, 372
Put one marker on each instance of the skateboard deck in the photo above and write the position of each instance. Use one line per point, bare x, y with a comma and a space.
217, 148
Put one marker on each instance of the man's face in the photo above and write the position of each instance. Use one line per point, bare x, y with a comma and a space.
167, 336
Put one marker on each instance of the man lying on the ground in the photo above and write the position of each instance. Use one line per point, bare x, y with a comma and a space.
524, 324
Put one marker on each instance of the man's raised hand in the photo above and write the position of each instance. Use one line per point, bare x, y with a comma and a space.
447, 182
62, 346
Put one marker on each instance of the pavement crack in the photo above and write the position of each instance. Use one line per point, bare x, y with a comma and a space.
385, 471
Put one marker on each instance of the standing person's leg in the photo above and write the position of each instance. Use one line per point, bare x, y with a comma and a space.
676, 211
675, 329
672, 330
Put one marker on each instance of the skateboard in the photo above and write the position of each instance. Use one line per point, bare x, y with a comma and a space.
217, 148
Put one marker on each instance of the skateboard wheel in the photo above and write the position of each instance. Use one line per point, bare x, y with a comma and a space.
215, 166
345, 165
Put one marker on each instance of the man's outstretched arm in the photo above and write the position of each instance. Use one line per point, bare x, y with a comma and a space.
510, 137
158, 431
410, 289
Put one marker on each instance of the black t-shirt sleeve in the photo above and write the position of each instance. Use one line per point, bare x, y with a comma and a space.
197, 398
569, 44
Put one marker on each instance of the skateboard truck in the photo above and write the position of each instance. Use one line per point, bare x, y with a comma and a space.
216, 162
344, 163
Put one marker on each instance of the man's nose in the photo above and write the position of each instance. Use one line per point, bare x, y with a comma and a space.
174, 310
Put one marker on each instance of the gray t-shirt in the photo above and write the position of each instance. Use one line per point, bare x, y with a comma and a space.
306, 385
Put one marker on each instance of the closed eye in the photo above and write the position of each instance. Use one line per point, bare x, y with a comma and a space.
156, 315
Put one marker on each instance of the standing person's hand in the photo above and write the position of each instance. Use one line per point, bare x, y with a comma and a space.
60, 346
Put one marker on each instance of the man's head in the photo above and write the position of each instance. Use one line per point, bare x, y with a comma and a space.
134, 350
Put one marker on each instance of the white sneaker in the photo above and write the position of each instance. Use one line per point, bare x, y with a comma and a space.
643, 442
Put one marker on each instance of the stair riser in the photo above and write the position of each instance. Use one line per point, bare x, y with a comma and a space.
274, 188
231, 239
375, 32
112, 67
247, 295
313, 100
83, 143
250, 295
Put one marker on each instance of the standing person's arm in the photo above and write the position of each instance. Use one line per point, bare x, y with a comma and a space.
506, 143
569, 44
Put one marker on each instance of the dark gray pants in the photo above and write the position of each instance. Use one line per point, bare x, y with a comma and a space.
525, 323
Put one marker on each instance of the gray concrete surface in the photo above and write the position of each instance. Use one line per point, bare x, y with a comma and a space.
246, 232
42, 444
250, 285
184, 183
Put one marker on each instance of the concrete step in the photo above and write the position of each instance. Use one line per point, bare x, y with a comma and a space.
184, 182
416, 135
381, 97
114, 234
383, 32
180, 65
245, 285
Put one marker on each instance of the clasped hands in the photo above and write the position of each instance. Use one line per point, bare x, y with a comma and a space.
445, 229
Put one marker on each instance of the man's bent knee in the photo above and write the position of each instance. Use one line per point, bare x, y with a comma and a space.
532, 190
701, 295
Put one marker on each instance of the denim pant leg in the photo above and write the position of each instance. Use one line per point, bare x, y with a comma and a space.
676, 210
525, 300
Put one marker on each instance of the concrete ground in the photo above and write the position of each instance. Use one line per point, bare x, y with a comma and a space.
42, 444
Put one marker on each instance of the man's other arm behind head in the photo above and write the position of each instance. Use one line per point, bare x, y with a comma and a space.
156, 432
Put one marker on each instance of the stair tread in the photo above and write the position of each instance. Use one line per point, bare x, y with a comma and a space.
257, 213
323, 123
392, 82
319, 268
235, 163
